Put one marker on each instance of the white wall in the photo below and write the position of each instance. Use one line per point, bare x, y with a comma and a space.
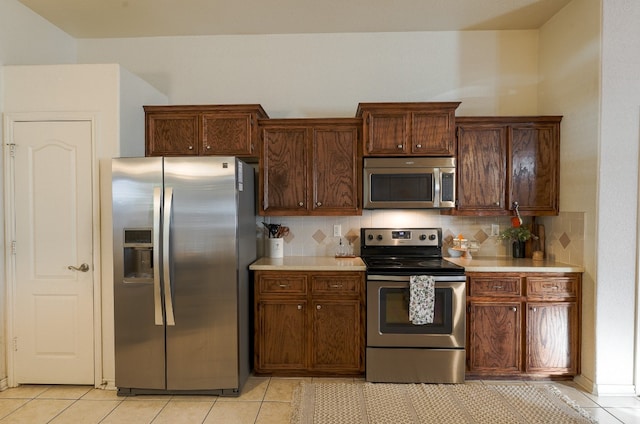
28, 39
617, 202
325, 75
570, 86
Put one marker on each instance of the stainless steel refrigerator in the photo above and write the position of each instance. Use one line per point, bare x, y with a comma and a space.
183, 239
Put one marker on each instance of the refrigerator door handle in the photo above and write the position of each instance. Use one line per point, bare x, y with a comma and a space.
157, 297
166, 244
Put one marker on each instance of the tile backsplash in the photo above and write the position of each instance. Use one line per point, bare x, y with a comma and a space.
313, 236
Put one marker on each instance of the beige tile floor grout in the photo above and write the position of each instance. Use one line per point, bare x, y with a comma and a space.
264, 400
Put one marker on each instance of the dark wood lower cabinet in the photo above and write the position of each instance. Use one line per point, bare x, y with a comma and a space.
495, 337
309, 323
551, 338
523, 325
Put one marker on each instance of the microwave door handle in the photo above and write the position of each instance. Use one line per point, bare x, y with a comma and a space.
166, 238
157, 296
437, 181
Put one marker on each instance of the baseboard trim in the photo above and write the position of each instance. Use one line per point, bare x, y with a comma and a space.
585, 383
615, 390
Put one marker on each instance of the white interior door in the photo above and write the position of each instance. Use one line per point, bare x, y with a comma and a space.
52, 312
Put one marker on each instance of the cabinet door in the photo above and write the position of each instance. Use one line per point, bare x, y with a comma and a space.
172, 134
432, 134
552, 338
482, 156
336, 336
386, 133
494, 337
336, 179
280, 338
533, 174
283, 188
227, 133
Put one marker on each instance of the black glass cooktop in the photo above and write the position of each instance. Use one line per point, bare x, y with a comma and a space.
406, 264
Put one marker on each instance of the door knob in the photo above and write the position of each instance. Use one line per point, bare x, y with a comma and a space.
81, 268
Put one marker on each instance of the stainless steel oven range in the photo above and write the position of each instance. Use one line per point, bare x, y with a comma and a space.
399, 351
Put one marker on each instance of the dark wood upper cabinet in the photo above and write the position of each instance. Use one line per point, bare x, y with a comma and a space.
408, 129
310, 167
199, 130
503, 160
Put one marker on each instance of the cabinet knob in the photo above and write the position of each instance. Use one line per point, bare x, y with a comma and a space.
318, 203
190, 147
318, 307
399, 146
208, 147
299, 307
497, 203
514, 309
419, 146
300, 203
534, 309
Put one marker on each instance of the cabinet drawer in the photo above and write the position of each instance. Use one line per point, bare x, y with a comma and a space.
335, 284
283, 284
552, 287
495, 286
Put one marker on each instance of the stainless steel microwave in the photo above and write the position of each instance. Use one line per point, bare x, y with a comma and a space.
409, 183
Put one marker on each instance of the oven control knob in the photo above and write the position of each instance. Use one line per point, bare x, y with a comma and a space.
370, 237
379, 237
423, 237
432, 237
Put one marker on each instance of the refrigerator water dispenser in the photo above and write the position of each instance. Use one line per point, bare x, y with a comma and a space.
138, 255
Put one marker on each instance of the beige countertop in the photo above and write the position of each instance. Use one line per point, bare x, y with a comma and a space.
308, 263
476, 264
506, 264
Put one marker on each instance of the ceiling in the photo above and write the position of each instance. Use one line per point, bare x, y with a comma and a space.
151, 18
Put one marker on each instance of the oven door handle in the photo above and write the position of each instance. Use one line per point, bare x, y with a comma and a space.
406, 278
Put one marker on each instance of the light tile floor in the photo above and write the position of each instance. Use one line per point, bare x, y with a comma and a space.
263, 400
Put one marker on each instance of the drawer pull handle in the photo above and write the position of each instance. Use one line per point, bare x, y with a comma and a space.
336, 286
550, 286
498, 287
284, 286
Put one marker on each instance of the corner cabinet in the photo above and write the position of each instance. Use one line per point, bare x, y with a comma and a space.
309, 323
408, 129
223, 130
310, 167
523, 325
503, 160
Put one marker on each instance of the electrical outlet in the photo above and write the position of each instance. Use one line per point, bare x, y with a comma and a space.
495, 229
337, 230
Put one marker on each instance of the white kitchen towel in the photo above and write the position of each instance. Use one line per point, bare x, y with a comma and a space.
421, 299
